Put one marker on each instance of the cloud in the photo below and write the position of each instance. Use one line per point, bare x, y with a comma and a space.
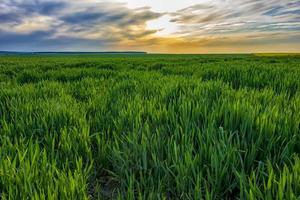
15, 10
220, 17
112, 25
236, 43
81, 20
42, 41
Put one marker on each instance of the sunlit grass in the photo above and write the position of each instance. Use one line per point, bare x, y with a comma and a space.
150, 127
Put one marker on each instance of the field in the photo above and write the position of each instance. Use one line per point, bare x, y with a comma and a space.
149, 127
277, 54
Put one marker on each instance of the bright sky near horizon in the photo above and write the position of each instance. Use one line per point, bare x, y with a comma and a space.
173, 26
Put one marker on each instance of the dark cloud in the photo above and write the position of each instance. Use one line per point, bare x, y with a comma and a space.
49, 8
42, 41
11, 38
274, 11
84, 17
30, 7
114, 22
45, 23
9, 17
13, 12
119, 15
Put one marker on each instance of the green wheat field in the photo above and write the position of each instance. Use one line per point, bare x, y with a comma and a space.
149, 126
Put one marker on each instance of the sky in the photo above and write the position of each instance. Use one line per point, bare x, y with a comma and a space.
155, 26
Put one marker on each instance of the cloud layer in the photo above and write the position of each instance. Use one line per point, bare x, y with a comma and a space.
98, 25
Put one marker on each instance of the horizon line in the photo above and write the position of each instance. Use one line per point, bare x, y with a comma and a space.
137, 52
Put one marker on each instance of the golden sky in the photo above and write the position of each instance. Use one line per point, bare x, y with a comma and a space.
173, 26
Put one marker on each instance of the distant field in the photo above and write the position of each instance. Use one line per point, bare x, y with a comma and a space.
277, 54
150, 127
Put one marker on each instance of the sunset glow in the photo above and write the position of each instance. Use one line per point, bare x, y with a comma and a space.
191, 26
